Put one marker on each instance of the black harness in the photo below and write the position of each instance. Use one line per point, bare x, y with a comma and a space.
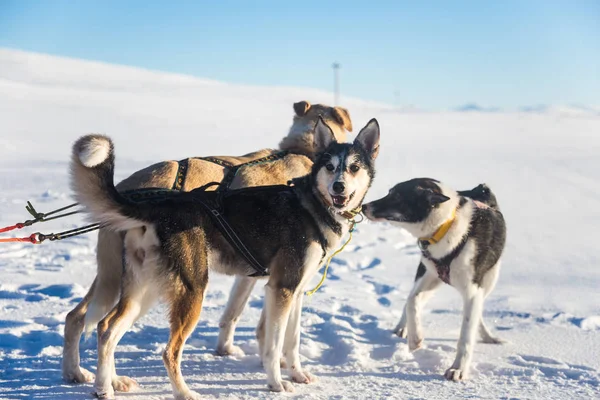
183, 167
442, 265
233, 169
212, 201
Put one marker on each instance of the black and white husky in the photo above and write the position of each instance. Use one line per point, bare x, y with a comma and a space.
461, 236
171, 244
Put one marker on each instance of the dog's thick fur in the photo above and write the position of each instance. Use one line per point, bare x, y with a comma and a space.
471, 249
104, 292
170, 246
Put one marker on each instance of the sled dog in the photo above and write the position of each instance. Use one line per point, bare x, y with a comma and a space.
104, 291
171, 244
461, 237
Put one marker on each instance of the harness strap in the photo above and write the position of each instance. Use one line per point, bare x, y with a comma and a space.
442, 265
183, 168
214, 210
217, 161
233, 239
66, 234
233, 169
181, 174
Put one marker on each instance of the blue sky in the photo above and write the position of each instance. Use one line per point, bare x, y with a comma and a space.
433, 54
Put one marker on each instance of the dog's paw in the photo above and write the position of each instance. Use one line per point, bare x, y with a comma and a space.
189, 395
78, 375
124, 384
401, 332
230, 350
281, 386
303, 377
455, 374
493, 340
414, 342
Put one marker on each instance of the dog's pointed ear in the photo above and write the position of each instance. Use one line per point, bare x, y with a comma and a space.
343, 118
433, 198
323, 136
368, 138
301, 108
437, 198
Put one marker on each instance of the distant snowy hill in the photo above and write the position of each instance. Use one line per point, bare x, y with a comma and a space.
71, 97
572, 109
474, 107
543, 163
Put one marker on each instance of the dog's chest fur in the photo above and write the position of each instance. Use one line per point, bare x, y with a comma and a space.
471, 247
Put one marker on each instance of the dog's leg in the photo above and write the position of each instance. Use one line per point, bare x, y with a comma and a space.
185, 313
110, 331
74, 323
278, 303
473, 305
487, 336
260, 332
105, 369
260, 337
99, 300
421, 292
400, 329
108, 279
488, 286
240, 292
291, 344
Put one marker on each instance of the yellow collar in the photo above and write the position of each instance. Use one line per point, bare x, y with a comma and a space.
441, 231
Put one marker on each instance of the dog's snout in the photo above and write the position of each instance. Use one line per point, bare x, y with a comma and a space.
365, 207
339, 187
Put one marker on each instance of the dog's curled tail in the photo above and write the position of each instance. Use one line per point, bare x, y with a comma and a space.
92, 181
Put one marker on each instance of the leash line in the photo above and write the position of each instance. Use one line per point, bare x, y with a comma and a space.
12, 227
29, 239
38, 217
38, 237
353, 223
67, 234
338, 251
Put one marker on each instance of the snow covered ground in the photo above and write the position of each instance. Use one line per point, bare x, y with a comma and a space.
544, 167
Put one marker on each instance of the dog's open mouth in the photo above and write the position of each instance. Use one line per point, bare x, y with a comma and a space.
341, 201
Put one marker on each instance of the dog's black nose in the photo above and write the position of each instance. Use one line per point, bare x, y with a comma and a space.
364, 207
338, 187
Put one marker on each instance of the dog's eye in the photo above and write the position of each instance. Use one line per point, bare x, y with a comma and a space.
330, 167
354, 168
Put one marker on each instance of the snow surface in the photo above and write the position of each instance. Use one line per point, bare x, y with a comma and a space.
544, 167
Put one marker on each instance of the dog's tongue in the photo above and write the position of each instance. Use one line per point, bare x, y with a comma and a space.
339, 200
